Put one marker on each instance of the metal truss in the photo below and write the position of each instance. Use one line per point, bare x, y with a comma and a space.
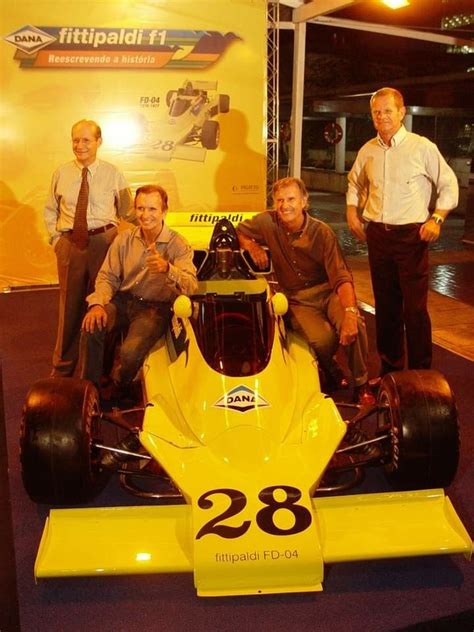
273, 16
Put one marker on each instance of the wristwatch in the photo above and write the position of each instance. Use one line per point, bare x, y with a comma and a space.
437, 219
352, 309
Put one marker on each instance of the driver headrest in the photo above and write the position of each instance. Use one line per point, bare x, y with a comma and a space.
224, 235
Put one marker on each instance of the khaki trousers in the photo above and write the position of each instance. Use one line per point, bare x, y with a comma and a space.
77, 270
317, 314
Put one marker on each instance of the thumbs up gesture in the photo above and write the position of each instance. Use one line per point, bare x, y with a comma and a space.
155, 262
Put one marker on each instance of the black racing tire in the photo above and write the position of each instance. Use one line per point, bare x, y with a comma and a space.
419, 411
224, 103
210, 134
60, 421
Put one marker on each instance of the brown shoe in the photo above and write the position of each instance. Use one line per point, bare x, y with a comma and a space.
363, 395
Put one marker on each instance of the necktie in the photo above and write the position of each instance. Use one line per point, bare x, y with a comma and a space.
79, 235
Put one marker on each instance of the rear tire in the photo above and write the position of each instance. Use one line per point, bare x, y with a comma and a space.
224, 103
60, 422
419, 411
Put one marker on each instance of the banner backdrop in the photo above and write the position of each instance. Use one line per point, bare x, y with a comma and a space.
177, 87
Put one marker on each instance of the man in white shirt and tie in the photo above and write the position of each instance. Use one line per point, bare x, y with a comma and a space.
86, 200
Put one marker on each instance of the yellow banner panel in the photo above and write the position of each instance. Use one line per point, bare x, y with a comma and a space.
178, 89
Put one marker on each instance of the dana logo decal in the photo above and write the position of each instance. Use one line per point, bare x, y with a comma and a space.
29, 39
242, 399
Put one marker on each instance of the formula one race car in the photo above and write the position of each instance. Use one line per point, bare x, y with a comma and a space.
242, 457
190, 127
191, 109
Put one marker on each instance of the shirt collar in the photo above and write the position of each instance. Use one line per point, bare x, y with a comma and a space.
92, 167
298, 232
398, 138
163, 238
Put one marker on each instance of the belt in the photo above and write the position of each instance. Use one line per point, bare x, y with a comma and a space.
398, 226
145, 301
101, 229
94, 231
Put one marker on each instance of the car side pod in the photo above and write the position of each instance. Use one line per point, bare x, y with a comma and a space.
162, 539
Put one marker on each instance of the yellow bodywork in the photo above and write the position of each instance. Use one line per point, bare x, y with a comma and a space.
248, 473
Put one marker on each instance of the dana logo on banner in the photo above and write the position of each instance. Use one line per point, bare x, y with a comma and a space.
241, 399
29, 39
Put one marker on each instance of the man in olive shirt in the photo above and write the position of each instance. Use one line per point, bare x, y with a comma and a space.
312, 272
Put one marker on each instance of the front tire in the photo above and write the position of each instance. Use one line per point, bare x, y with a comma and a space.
170, 95
419, 411
60, 422
210, 134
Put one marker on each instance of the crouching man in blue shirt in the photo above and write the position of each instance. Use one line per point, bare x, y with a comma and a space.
145, 269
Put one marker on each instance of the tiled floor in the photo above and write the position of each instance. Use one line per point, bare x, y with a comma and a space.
455, 280
451, 297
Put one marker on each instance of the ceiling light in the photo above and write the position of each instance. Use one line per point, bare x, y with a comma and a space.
396, 4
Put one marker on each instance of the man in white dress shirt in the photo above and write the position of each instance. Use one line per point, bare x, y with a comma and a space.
107, 199
391, 183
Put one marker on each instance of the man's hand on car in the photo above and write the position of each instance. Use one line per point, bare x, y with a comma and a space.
258, 254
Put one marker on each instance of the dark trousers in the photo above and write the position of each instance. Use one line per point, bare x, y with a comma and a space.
77, 270
398, 261
144, 323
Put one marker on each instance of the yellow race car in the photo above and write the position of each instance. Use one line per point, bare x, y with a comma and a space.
241, 458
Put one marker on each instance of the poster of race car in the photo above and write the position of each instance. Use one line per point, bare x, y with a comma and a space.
190, 125
177, 88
